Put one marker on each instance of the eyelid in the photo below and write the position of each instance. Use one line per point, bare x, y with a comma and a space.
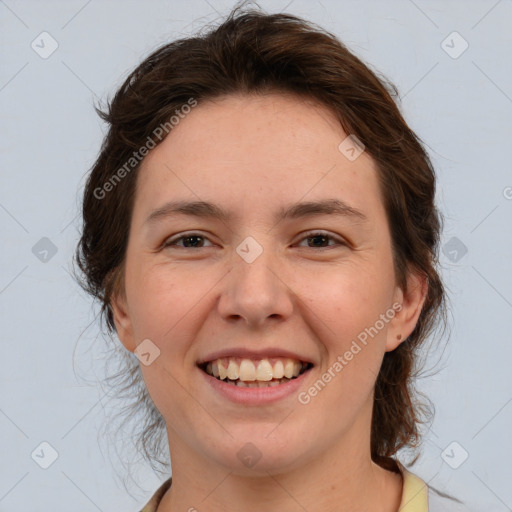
171, 241
327, 234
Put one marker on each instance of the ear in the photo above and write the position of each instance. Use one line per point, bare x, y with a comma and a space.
123, 321
406, 316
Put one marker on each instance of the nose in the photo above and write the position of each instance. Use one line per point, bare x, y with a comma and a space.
256, 293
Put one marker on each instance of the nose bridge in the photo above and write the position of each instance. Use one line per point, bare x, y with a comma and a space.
254, 289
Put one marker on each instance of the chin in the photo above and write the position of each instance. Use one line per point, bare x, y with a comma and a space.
257, 455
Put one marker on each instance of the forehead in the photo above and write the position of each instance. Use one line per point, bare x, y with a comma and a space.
256, 150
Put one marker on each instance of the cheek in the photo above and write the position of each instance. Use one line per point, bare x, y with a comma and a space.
348, 299
164, 306
160, 299
346, 308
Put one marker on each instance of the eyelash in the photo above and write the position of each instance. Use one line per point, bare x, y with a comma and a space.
310, 234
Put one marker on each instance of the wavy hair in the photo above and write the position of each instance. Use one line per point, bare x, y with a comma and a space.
251, 52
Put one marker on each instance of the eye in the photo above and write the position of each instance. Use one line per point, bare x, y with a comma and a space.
190, 241
319, 238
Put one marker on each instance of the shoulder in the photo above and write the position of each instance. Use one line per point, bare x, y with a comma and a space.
417, 496
153, 503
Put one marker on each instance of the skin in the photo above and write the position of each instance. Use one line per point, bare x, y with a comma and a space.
253, 155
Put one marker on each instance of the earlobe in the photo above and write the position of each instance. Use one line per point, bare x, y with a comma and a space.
122, 321
405, 320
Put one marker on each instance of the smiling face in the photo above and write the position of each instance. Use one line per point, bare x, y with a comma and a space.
250, 275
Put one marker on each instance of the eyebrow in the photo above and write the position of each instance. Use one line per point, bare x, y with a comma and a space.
206, 209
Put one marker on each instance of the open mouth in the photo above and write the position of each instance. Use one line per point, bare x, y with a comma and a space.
250, 373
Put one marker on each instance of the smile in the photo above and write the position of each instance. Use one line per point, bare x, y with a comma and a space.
255, 373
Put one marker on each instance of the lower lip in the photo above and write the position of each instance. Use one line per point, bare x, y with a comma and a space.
255, 396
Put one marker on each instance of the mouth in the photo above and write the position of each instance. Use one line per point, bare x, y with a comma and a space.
255, 373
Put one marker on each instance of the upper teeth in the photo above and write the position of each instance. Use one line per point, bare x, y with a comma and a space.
248, 370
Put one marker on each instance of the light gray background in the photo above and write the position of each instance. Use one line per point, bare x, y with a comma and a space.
50, 135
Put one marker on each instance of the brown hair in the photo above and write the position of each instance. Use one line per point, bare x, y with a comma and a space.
250, 53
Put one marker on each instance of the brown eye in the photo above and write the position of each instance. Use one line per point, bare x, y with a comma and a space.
320, 240
190, 241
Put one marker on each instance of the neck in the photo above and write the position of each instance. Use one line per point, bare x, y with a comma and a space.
339, 479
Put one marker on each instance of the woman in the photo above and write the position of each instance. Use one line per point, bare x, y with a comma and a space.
260, 229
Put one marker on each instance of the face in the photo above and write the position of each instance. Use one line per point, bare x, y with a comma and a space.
288, 268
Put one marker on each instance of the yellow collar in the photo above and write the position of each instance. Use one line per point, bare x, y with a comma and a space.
414, 492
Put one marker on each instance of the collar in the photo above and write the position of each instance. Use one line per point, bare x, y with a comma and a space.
414, 492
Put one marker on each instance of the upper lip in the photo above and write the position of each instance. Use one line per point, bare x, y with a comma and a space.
253, 354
